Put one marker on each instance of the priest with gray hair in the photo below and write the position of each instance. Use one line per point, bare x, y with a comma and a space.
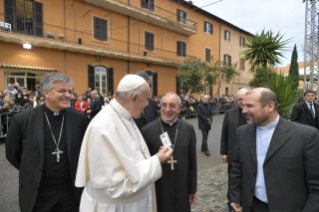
44, 144
115, 165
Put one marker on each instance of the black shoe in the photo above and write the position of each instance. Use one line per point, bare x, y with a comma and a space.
207, 152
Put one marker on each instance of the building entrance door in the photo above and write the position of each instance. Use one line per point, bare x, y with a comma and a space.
100, 79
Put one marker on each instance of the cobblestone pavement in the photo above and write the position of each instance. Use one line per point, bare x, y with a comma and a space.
212, 176
211, 190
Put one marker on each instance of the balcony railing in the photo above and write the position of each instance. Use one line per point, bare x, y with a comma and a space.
19, 25
150, 8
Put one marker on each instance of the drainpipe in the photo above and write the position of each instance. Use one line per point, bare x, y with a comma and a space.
220, 44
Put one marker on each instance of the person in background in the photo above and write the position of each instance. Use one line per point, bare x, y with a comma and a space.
81, 105
33, 100
2, 97
36, 94
96, 104
74, 93
11, 89
88, 102
8, 107
17, 87
8, 95
38, 90
88, 92
106, 99
72, 100
18, 98
24, 105
25, 93
41, 101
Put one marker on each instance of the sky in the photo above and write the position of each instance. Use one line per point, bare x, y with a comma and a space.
286, 16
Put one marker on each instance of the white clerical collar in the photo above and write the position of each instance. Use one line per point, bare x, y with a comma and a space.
169, 123
269, 126
120, 109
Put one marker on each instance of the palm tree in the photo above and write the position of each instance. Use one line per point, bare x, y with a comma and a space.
264, 50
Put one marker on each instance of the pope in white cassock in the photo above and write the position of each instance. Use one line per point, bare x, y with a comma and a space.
115, 165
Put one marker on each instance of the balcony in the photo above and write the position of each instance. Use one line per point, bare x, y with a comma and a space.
20, 30
157, 16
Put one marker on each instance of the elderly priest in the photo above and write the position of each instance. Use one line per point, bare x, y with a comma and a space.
115, 165
176, 190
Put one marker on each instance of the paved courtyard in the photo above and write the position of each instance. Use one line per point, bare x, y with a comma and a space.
212, 175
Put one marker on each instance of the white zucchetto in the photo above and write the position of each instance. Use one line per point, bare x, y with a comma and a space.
130, 82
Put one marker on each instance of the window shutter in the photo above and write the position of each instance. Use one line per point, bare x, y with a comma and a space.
110, 80
143, 3
178, 15
225, 56
205, 27
184, 49
91, 77
243, 42
103, 27
151, 41
225, 35
211, 28
38, 10
147, 41
9, 12
229, 59
97, 33
184, 17
179, 48
208, 55
154, 84
151, 2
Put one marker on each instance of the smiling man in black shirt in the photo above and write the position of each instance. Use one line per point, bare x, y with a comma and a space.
44, 144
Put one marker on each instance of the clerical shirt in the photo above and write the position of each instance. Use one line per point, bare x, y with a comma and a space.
263, 138
112, 167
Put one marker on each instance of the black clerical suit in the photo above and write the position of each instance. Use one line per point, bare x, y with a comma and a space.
174, 187
148, 115
301, 114
233, 119
205, 115
29, 148
291, 168
96, 106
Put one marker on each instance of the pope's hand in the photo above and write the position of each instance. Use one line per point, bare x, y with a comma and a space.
164, 153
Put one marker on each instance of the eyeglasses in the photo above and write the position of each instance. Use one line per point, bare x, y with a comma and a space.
171, 106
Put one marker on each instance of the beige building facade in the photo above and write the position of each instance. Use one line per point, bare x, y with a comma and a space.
232, 44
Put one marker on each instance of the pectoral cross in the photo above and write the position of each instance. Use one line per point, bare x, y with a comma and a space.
57, 153
172, 161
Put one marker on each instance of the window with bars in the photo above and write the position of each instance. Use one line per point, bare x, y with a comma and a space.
181, 16
227, 59
227, 35
100, 29
208, 27
149, 41
207, 55
242, 41
181, 49
148, 4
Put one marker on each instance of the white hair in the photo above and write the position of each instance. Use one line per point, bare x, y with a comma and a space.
179, 102
124, 96
241, 90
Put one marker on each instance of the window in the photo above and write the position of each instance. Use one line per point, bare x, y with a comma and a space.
227, 59
208, 27
149, 41
101, 79
242, 65
181, 49
227, 35
226, 91
148, 4
207, 55
242, 41
100, 29
181, 16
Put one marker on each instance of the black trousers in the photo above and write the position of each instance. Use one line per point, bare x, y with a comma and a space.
259, 206
228, 194
204, 141
56, 200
